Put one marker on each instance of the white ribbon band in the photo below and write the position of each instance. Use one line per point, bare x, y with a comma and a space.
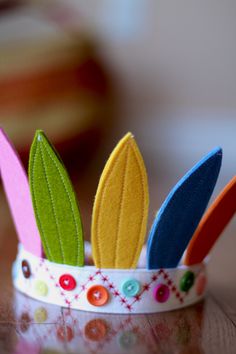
108, 290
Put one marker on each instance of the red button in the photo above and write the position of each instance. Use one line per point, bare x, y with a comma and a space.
97, 295
67, 282
96, 330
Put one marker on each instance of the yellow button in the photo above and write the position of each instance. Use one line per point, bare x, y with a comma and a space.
41, 288
40, 315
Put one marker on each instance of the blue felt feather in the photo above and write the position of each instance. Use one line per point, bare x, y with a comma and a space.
181, 212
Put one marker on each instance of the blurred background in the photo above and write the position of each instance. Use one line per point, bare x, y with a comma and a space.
86, 71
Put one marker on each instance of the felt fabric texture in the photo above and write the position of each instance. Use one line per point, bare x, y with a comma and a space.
55, 205
120, 209
212, 224
18, 195
181, 212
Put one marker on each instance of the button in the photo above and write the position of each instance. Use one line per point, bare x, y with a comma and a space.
40, 315
96, 330
130, 287
201, 284
161, 293
65, 334
41, 288
26, 269
67, 282
187, 281
127, 340
25, 321
97, 295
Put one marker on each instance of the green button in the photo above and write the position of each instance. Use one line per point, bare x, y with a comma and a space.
127, 340
130, 287
187, 281
41, 288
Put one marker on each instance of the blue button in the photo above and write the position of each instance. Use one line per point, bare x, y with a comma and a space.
131, 287
127, 340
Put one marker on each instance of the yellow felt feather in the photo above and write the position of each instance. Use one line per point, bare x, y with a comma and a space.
120, 209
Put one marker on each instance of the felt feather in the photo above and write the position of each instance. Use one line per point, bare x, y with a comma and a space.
181, 212
212, 224
18, 194
55, 205
120, 209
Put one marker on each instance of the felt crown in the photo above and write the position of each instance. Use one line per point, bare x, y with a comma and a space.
52, 264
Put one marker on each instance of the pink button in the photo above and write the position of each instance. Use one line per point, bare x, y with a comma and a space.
161, 293
201, 284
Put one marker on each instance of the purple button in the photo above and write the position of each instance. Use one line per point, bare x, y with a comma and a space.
161, 293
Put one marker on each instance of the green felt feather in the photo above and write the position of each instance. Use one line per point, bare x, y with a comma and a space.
55, 205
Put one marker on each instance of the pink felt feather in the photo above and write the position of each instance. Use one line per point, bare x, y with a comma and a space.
18, 194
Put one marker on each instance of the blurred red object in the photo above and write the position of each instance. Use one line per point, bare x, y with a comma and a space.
51, 79
6, 5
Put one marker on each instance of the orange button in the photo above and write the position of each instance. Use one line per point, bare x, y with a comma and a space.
201, 284
97, 295
96, 330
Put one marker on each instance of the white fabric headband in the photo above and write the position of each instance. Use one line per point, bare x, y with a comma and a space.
109, 290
